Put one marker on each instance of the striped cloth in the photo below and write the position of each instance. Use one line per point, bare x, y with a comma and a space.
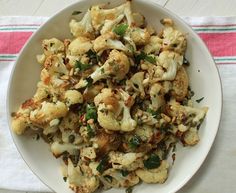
220, 36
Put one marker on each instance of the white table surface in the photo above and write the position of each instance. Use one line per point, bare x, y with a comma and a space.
181, 8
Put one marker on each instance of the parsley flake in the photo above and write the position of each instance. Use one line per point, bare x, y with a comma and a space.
120, 29
199, 100
76, 12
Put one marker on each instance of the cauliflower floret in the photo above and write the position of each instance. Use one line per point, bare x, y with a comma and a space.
41, 58
140, 36
170, 61
173, 39
54, 64
82, 28
117, 66
110, 24
21, 119
52, 46
20, 123
48, 111
69, 122
79, 46
79, 182
91, 92
145, 117
59, 148
158, 175
127, 123
101, 16
145, 132
139, 19
154, 45
42, 92
107, 119
93, 166
156, 95
88, 153
180, 84
136, 82
191, 136
108, 41
109, 98
129, 42
188, 116
116, 179
108, 109
73, 97
106, 142
126, 161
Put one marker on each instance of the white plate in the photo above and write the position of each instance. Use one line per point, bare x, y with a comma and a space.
205, 83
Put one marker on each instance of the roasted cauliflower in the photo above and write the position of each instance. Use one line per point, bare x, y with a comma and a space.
113, 100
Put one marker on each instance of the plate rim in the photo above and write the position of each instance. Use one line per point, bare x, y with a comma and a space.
158, 6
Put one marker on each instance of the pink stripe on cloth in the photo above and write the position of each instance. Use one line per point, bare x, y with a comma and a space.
220, 44
12, 42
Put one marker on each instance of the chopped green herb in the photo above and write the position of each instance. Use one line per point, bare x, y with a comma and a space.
124, 173
64, 178
108, 178
155, 114
120, 29
139, 57
102, 70
165, 127
139, 121
164, 150
199, 100
13, 114
134, 142
150, 59
144, 56
71, 138
90, 131
190, 93
75, 158
89, 82
185, 102
37, 137
93, 57
129, 190
174, 148
186, 62
91, 112
122, 82
81, 66
152, 162
76, 12
102, 164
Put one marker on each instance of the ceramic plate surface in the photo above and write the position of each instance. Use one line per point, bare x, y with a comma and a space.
204, 80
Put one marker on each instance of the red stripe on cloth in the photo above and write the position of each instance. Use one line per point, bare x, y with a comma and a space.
12, 42
225, 63
215, 25
220, 44
5, 60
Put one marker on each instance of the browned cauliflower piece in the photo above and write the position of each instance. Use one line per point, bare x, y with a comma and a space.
116, 66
